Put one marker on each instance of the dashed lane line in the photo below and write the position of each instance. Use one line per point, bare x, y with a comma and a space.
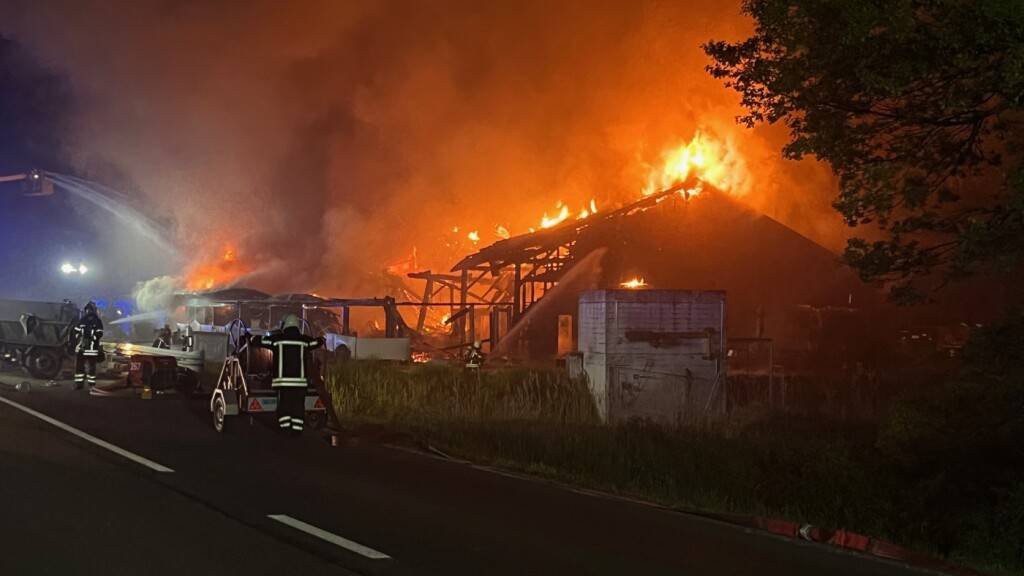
326, 536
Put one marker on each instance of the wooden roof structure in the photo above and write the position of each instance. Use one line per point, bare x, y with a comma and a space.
516, 272
529, 247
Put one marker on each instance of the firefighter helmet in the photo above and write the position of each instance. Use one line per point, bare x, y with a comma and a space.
90, 308
291, 321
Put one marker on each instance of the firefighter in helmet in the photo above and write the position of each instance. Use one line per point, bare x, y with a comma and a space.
291, 350
475, 357
88, 331
164, 338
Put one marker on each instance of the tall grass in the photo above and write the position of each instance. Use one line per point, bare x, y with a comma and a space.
430, 395
824, 471
539, 420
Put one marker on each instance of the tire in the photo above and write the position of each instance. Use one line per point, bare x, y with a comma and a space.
220, 419
316, 419
43, 363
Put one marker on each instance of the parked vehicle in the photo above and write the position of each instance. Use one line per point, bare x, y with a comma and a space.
35, 335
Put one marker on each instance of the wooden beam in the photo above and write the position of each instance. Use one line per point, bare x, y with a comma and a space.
428, 293
463, 296
517, 293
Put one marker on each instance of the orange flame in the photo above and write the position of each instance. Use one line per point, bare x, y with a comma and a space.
405, 265
705, 157
563, 213
634, 283
592, 209
216, 273
713, 161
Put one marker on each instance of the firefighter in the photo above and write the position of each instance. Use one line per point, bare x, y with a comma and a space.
475, 357
291, 350
164, 338
89, 331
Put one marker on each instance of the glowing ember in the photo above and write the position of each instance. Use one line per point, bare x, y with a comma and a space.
216, 273
502, 232
420, 357
634, 283
711, 160
474, 236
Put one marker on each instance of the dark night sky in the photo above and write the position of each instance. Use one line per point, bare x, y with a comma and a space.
35, 233
38, 234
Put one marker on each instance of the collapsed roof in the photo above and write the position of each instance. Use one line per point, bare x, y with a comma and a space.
777, 281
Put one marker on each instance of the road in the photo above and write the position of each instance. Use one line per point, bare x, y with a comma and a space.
126, 486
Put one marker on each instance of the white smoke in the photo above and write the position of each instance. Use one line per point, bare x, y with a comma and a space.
157, 293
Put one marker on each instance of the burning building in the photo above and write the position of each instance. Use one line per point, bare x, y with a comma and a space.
782, 287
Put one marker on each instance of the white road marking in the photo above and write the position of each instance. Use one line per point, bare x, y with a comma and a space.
86, 436
329, 537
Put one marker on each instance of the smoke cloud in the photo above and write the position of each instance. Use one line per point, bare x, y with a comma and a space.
156, 294
323, 139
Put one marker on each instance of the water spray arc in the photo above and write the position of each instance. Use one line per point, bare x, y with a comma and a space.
117, 205
41, 183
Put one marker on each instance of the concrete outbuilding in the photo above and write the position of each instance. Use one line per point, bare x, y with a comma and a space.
654, 354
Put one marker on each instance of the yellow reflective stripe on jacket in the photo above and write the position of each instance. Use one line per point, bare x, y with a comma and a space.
280, 359
289, 382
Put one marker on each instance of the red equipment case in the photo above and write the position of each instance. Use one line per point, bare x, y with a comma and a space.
158, 372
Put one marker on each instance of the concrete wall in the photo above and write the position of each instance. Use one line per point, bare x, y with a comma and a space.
376, 348
654, 354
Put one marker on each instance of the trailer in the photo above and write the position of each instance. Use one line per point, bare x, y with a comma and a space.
211, 314
244, 384
35, 335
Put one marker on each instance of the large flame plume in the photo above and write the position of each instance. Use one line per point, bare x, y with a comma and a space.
711, 160
220, 271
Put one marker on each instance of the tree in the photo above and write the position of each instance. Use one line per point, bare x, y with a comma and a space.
917, 107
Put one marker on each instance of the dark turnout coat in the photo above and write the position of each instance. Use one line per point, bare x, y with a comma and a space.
289, 347
89, 330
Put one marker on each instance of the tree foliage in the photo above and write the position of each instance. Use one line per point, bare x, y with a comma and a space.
917, 107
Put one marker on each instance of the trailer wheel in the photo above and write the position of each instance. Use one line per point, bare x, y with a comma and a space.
219, 413
43, 363
316, 419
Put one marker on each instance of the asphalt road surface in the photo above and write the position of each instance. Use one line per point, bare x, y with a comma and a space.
92, 485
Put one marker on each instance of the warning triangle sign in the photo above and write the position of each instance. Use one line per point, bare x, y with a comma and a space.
318, 404
255, 406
